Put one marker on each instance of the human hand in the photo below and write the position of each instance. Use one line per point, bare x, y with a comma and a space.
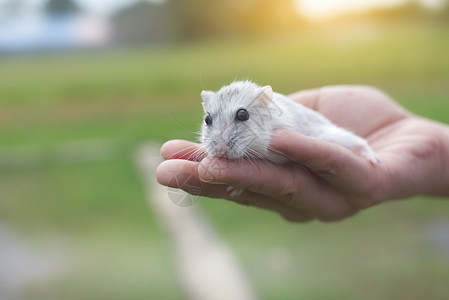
325, 181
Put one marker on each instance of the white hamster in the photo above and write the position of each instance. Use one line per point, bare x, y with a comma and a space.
240, 118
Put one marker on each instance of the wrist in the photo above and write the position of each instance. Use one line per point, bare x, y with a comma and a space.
444, 152
436, 179
424, 169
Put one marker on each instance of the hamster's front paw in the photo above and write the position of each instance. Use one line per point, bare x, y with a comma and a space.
367, 153
233, 191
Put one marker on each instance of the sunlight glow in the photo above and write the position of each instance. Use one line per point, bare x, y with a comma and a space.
324, 9
317, 10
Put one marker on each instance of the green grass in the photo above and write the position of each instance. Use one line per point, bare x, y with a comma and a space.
114, 241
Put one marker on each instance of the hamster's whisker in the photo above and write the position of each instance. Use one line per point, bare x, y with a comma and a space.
185, 152
184, 149
276, 151
191, 155
198, 154
252, 155
251, 160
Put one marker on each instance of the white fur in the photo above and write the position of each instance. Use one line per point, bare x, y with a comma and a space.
231, 138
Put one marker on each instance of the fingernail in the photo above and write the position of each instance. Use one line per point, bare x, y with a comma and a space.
205, 174
211, 168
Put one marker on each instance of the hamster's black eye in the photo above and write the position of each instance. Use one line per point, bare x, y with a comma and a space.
208, 119
242, 114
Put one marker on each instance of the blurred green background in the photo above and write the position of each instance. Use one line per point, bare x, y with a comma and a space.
74, 221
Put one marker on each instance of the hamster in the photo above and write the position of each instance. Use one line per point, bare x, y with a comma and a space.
240, 118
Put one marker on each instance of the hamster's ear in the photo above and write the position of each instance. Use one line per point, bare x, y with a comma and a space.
206, 96
265, 96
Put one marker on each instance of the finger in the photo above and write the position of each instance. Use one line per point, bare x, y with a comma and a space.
292, 185
337, 165
180, 149
289, 213
184, 175
306, 97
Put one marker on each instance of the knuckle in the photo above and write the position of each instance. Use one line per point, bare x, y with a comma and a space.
286, 198
364, 201
373, 194
296, 218
330, 165
337, 216
328, 219
342, 211
255, 185
243, 201
291, 188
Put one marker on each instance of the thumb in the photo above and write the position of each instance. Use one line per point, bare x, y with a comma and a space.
334, 163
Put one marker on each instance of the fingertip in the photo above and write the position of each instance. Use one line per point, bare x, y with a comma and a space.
170, 169
165, 149
213, 169
284, 140
168, 147
178, 149
165, 172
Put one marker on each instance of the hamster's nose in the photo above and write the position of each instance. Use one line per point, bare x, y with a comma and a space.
222, 150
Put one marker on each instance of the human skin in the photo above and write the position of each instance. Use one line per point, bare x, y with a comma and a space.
325, 181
